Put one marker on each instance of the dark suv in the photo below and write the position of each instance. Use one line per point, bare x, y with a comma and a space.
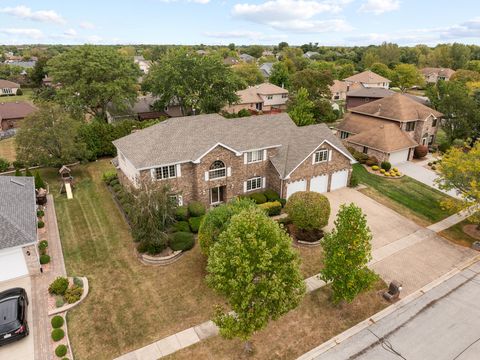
13, 315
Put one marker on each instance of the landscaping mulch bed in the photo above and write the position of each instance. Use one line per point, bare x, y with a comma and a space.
472, 230
313, 236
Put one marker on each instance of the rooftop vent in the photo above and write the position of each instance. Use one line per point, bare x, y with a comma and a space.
16, 182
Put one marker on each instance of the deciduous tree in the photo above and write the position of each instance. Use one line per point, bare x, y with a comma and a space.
406, 76
249, 73
280, 75
301, 108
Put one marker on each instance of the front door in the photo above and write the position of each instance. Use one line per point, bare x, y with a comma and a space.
217, 195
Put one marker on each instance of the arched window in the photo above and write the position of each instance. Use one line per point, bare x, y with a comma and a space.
217, 170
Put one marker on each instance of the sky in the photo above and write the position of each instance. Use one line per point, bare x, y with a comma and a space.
211, 22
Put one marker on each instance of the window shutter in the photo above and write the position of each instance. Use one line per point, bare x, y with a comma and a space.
244, 186
264, 154
229, 171
179, 170
152, 174
313, 158
180, 200
330, 155
206, 175
245, 158
264, 182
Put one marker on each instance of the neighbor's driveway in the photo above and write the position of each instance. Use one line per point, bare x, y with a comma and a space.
402, 250
424, 175
22, 349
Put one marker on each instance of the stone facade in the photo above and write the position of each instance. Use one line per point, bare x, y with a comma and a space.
380, 155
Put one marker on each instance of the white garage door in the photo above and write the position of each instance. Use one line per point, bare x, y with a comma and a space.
12, 264
293, 187
319, 183
339, 180
398, 157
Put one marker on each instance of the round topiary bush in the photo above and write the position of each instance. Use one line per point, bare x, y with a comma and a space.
42, 245
181, 241
57, 321
194, 223
271, 195
73, 294
385, 165
57, 334
196, 209
40, 213
59, 302
181, 214
58, 286
61, 350
420, 151
259, 198
44, 259
182, 226
40, 224
308, 210
353, 181
375, 168
78, 281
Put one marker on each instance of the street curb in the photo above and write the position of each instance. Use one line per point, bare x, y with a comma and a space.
310, 355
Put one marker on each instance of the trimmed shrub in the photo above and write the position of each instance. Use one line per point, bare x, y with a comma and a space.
283, 202
271, 195
18, 165
4, 165
353, 181
420, 151
151, 246
385, 165
387, 174
19, 92
39, 183
181, 213
181, 241
44, 259
40, 213
271, 208
57, 321
382, 171
57, 334
117, 188
61, 350
182, 226
40, 224
196, 209
59, 302
58, 286
42, 245
395, 169
284, 221
430, 164
115, 182
308, 210
194, 223
73, 294
375, 167
443, 147
434, 167
108, 176
372, 160
78, 281
259, 198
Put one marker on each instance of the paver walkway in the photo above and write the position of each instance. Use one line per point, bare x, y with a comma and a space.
451, 220
41, 282
382, 263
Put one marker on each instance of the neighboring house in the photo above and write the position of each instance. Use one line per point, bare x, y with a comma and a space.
267, 53
30, 64
266, 69
432, 75
143, 64
367, 127
211, 159
18, 228
8, 87
339, 90
247, 58
265, 97
230, 60
361, 95
143, 109
12, 113
202, 52
368, 79
310, 54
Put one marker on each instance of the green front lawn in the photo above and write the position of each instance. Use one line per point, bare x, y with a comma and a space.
7, 149
409, 197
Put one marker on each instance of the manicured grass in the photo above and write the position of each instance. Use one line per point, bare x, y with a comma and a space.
26, 96
405, 195
7, 149
315, 321
457, 235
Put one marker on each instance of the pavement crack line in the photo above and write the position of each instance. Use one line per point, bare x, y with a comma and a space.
381, 340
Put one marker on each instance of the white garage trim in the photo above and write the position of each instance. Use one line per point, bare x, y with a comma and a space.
295, 186
339, 180
12, 264
398, 157
319, 184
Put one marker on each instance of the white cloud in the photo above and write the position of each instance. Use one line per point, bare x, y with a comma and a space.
241, 34
24, 12
70, 33
378, 7
191, 1
87, 25
27, 33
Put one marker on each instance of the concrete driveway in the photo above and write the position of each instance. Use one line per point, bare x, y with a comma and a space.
402, 250
24, 348
424, 175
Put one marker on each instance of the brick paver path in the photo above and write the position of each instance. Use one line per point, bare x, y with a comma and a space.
41, 282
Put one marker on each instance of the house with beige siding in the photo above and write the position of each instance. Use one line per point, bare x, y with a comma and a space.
263, 98
432, 75
212, 159
368, 79
8, 88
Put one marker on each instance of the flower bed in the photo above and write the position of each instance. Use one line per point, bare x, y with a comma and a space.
58, 304
391, 174
59, 343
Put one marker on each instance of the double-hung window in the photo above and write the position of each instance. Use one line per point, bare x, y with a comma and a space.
254, 183
165, 172
410, 126
321, 156
255, 156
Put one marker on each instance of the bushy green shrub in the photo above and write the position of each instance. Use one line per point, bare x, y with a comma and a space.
18, 165
4, 165
73, 294
43, 244
114, 182
58, 286
243, 113
117, 188
57, 321
194, 223
40, 213
271, 208
283, 202
181, 213
181, 241
44, 259
196, 209
108, 176
182, 226
372, 160
385, 165
59, 302
61, 350
308, 210
39, 183
443, 147
353, 181
271, 195
259, 198
151, 246
434, 167
57, 334
78, 281
40, 224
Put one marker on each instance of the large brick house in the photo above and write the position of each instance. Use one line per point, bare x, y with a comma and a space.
212, 159
264, 98
390, 128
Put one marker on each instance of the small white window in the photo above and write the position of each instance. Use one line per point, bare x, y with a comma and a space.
321, 156
255, 156
254, 183
165, 172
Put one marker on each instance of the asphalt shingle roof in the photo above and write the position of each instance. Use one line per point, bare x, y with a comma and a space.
18, 221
